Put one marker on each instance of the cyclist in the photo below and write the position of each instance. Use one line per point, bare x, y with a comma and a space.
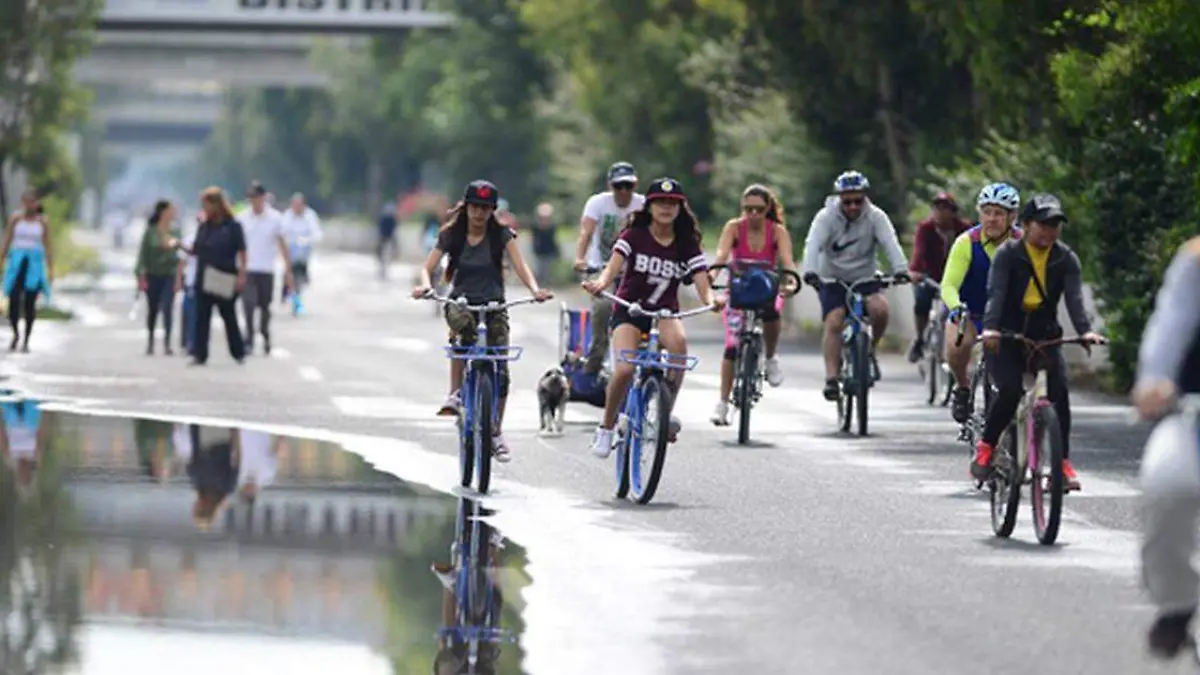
598, 229
1027, 279
931, 242
475, 243
964, 283
1169, 366
845, 236
760, 235
659, 248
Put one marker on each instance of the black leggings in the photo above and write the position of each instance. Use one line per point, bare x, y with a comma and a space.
22, 301
1006, 368
160, 298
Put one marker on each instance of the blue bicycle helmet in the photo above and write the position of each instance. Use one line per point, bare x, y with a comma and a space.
1001, 194
851, 181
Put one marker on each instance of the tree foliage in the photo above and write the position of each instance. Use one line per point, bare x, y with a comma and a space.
39, 43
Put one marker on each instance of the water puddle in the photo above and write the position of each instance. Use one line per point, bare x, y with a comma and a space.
129, 544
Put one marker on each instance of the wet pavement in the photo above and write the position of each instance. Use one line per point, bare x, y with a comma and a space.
127, 542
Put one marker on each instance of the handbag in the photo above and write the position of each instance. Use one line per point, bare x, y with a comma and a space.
218, 283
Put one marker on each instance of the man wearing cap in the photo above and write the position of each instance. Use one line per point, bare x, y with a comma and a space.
1028, 278
603, 218
263, 227
931, 242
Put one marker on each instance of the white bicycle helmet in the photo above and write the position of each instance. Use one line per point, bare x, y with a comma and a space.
1001, 194
851, 181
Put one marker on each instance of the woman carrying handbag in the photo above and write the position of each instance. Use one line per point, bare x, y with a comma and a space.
220, 250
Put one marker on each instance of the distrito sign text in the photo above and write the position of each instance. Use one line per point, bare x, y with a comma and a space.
250, 14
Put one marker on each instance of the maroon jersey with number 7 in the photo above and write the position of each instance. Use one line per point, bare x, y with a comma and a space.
652, 272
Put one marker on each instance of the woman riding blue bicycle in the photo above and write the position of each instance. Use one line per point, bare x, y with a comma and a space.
475, 244
759, 237
659, 248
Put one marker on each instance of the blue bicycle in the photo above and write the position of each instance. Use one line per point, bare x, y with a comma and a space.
476, 635
480, 396
856, 376
647, 407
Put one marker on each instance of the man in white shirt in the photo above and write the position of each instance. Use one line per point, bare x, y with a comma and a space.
263, 228
301, 230
603, 219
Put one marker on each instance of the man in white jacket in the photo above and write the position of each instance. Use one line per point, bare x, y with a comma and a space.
843, 243
301, 230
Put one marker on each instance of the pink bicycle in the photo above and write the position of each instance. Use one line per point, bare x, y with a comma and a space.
1031, 450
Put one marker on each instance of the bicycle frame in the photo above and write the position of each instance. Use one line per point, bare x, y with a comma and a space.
649, 361
477, 358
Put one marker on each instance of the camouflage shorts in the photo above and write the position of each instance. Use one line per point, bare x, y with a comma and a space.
462, 327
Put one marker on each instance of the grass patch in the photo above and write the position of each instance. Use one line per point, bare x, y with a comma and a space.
71, 257
54, 314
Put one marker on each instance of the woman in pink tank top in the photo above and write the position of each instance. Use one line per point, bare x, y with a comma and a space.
759, 236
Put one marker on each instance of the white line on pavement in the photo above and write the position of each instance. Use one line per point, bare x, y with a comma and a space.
311, 374
281, 353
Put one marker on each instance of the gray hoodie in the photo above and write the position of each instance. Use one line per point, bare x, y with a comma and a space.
848, 250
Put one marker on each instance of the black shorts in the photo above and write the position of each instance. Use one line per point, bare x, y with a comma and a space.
621, 315
833, 296
923, 297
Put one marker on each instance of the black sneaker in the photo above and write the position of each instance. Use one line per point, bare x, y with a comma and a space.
1169, 634
916, 351
832, 390
961, 407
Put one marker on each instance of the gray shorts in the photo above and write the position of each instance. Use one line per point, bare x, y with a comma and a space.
260, 287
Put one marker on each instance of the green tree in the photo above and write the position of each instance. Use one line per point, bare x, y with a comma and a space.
39, 43
1135, 119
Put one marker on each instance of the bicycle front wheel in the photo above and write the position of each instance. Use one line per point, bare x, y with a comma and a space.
481, 431
1047, 489
649, 452
747, 376
1004, 487
862, 377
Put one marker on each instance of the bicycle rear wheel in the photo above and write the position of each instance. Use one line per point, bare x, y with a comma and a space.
651, 434
1047, 491
862, 376
1004, 487
481, 431
747, 376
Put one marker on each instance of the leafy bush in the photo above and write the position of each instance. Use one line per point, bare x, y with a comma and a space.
1030, 166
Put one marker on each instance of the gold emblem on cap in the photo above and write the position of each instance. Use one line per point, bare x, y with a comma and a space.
666, 186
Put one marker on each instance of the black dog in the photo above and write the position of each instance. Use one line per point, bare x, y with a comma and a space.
553, 390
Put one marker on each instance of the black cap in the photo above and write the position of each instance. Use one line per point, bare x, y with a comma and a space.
622, 172
256, 189
481, 192
666, 188
1043, 208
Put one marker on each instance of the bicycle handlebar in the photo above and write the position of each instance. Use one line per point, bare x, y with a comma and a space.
878, 277
636, 310
1044, 344
486, 307
776, 273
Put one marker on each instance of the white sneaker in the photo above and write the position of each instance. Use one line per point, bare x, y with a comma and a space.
774, 374
720, 416
602, 442
500, 449
452, 404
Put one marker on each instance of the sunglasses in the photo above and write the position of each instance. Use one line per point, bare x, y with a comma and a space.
754, 210
857, 201
624, 186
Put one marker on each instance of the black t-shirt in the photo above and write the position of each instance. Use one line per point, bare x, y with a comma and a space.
217, 246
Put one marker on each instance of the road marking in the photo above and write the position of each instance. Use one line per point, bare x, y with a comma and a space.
47, 378
281, 353
310, 374
407, 344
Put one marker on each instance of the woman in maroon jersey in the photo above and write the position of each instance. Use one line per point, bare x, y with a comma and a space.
659, 248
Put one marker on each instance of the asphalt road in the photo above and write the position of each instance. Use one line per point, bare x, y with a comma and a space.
807, 552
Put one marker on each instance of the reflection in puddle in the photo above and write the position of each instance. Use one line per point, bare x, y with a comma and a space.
124, 543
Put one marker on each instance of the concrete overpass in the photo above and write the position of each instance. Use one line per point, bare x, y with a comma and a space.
319, 16
230, 59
